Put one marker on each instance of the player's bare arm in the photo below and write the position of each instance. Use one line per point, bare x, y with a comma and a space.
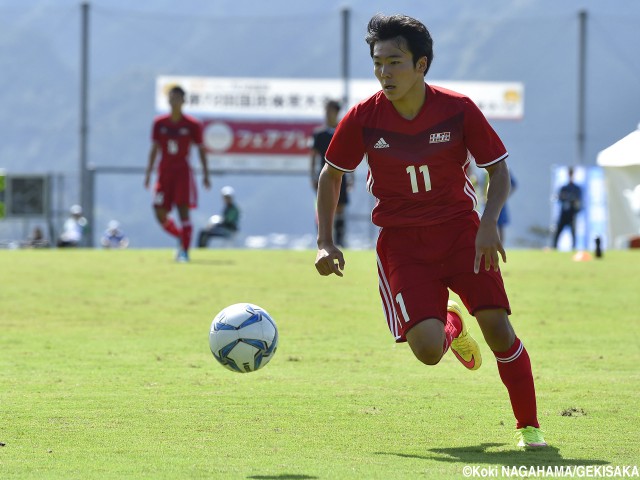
315, 158
153, 153
488, 243
205, 168
329, 258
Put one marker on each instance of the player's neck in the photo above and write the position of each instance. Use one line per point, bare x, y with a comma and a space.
331, 121
411, 103
176, 115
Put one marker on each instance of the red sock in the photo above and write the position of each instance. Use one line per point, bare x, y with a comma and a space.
186, 235
451, 330
514, 367
170, 227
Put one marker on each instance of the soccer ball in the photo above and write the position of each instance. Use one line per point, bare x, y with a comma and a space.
243, 337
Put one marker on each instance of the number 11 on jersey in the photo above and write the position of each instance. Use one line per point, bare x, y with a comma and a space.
424, 170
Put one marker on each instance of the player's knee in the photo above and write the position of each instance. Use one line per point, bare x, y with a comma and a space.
496, 329
426, 340
161, 215
429, 355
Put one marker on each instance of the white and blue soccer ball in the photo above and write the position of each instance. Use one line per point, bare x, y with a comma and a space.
243, 337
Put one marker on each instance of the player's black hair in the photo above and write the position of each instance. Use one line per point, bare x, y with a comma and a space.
386, 27
333, 104
178, 89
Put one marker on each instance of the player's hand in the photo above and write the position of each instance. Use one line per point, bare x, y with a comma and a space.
207, 183
488, 245
330, 260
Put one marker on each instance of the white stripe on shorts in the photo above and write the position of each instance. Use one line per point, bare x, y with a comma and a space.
387, 301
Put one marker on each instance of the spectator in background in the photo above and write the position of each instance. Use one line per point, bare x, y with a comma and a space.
114, 237
225, 225
36, 239
320, 142
73, 229
570, 199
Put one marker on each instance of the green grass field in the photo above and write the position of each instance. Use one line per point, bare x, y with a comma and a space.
105, 371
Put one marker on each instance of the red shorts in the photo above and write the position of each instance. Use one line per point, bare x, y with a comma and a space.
417, 266
175, 186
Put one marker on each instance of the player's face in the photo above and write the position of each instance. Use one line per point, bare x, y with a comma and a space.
176, 99
394, 69
331, 116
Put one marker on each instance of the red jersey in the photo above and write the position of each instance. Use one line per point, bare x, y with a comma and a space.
175, 139
417, 168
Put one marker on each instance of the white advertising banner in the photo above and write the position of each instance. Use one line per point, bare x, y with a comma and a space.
267, 123
305, 98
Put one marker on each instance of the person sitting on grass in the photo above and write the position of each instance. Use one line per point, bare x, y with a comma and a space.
73, 228
114, 237
225, 225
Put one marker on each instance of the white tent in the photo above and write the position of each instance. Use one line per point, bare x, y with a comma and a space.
621, 164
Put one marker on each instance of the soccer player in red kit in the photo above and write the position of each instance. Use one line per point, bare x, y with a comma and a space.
418, 140
172, 135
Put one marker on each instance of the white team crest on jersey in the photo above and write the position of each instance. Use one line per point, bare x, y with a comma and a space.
440, 137
381, 144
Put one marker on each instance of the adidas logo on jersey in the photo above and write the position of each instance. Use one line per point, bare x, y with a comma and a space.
440, 137
381, 144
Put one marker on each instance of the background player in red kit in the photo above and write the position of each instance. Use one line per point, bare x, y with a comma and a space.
173, 134
417, 139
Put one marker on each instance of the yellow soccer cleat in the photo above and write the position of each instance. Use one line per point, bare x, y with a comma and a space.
530, 437
464, 346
